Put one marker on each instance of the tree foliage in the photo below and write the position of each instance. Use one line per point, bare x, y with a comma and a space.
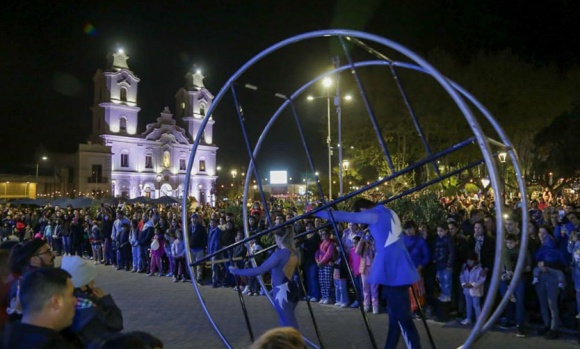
556, 150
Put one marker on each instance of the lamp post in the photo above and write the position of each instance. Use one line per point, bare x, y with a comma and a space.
43, 158
158, 194
502, 159
327, 82
113, 182
344, 167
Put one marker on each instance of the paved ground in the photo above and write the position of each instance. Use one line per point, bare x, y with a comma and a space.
173, 313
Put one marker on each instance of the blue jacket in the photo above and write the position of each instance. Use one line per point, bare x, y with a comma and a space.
214, 240
444, 256
550, 254
418, 250
562, 235
574, 250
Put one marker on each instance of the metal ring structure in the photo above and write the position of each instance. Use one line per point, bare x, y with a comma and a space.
462, 99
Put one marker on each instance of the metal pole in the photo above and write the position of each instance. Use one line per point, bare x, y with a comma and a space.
336, 61
329, 148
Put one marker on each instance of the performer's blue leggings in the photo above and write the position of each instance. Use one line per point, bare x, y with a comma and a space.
286, 313
400, 318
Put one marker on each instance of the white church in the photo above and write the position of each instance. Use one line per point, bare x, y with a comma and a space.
151, 163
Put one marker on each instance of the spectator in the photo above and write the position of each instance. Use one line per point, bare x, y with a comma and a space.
197, 245
309, 245
354, 261
419, 253
444, 259
324, 259
96, 313
178, 252
280, 338
48, 307
472, 280
517, 300
157, 252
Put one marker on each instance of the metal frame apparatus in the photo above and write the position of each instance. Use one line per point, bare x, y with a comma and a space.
458, 95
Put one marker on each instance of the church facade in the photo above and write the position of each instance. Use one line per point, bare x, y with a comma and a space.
151, 163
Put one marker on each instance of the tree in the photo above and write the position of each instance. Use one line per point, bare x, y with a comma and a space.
557, 160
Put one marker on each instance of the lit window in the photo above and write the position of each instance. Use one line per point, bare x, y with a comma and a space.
201, 165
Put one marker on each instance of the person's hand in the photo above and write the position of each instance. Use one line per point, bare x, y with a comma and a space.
98, 292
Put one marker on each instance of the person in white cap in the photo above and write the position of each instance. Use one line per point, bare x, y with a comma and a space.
96, 313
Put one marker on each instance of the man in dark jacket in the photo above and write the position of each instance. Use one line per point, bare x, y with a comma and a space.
48, 307
145, 237
197, 244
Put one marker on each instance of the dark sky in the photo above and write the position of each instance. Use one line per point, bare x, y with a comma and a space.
51, 49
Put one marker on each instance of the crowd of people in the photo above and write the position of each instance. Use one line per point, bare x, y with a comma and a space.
453, 256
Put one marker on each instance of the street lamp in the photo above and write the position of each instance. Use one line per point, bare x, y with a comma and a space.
43, 158
345, 164
502, 159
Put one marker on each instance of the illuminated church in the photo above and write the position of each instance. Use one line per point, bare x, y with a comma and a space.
151, 163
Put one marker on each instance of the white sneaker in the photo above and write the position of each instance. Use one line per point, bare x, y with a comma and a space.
337, 304
313, 299
535, 281
246, 291
578, 316
367, 309
375, 310
466, 322
344, 305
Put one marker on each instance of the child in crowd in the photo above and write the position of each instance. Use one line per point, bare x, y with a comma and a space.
366, 250
354, 261
340, 275
444, 258
157, 252
472, 279
169, 239
178, 253
96, 240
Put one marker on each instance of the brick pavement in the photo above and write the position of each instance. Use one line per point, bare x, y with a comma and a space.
172, 312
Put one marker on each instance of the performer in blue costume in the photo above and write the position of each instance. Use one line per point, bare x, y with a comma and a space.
393, 267
282, 264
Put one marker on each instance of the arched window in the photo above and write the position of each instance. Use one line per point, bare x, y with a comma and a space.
123, 94
166, 159
202, 109
202, 164
123, 124
124, 158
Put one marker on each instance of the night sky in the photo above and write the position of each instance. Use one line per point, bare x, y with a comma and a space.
51, 49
